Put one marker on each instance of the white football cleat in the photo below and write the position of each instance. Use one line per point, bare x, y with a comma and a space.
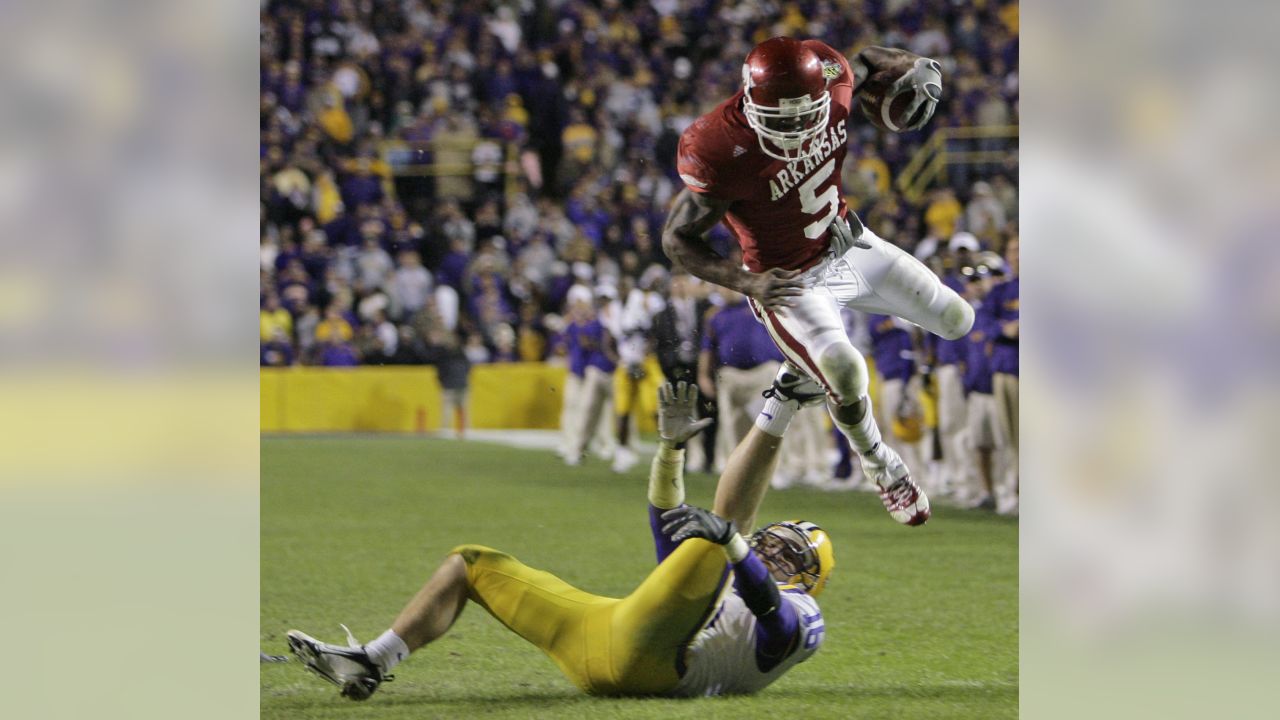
904, 500
793, 384
350, 668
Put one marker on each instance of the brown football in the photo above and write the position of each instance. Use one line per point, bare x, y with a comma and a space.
885, 114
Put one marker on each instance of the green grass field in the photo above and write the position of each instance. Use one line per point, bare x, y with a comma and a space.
921, 622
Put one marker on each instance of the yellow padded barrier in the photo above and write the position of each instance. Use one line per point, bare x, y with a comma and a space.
516, 395
313, 399
407, 399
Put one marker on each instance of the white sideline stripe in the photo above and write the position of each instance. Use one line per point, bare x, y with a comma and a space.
536, 439
522, 439
977, 683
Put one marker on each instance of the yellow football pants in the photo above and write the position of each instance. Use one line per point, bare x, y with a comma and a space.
631, 394
606, 646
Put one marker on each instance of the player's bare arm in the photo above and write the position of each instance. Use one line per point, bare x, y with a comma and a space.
742, 486
745, 480
684, 239
873, 59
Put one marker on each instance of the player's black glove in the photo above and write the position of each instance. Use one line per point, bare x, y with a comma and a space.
693, 522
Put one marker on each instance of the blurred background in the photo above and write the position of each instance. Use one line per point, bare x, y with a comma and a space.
471, 187
1146, 182
1149, 572
455, 168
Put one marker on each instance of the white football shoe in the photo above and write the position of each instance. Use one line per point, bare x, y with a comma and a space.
904, 500
350, 668
792, 383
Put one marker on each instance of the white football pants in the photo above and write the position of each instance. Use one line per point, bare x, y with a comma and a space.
593, 416
882, 279
953, 415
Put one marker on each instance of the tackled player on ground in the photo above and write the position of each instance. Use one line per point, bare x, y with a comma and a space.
719, 614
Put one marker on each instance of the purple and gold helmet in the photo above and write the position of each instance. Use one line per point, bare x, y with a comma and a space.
796, 552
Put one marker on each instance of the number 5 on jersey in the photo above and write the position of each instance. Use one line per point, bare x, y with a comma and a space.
812, 203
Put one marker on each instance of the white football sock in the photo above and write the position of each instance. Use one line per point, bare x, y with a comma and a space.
387, 651
864, 435
776, 415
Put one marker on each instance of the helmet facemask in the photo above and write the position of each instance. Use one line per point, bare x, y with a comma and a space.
789, 126
790, 556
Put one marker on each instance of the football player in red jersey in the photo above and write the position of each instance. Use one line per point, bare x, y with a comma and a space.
767, 162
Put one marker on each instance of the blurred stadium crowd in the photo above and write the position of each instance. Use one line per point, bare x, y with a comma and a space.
457, 183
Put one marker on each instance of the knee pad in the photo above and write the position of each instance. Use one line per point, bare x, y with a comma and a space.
957, 318
845, 371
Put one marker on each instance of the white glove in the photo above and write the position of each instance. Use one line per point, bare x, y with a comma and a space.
846, 235
925, 80
678, 413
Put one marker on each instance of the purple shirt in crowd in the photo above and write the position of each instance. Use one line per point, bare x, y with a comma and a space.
977, 369
453, 269
338, 355
591, 337
342, 231
361, 189
737, 339
574, 351
278, 354
949, 352
891, 346
1002, 304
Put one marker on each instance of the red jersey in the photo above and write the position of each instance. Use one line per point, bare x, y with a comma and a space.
779, 211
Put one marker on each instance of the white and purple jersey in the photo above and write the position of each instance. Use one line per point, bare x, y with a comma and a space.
722, 660
734, 652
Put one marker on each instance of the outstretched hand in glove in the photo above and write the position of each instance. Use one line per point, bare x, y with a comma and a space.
678, 413
688, 521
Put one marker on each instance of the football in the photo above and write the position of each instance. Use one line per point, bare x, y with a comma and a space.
885, 113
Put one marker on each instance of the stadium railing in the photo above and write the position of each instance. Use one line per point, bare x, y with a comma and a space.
418, 159
977, 145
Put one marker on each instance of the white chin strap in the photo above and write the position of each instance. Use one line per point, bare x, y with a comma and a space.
791, 150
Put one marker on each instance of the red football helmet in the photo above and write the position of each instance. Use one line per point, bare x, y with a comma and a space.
785, 97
